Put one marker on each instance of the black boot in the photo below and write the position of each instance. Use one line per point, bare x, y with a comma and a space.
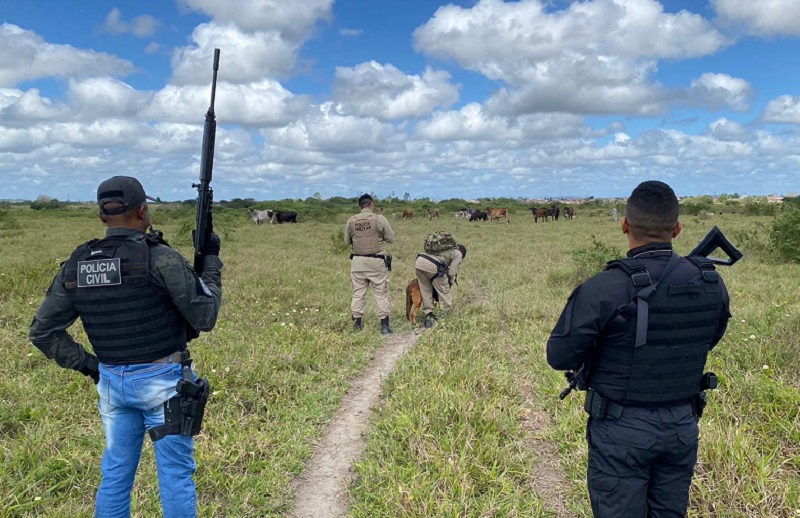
357, 323
385, 329
429, 320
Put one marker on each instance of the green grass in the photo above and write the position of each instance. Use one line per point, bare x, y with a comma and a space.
446, 439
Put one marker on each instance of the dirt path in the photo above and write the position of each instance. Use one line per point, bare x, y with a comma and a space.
322, 489
549, 482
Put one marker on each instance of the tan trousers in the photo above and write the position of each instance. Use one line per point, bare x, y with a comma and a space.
429, 282
380, 288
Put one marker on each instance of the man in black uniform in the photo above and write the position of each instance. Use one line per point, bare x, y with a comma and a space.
136, 297
641, 331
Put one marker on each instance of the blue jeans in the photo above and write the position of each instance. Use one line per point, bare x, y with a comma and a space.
131, 402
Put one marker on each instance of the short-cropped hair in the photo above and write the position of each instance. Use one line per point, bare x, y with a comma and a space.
652, 211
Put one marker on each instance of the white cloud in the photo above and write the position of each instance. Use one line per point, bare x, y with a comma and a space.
103, 97
330, 132
140, 26
20, 108
27, 57
383, 91
762, 17
729, 131
716, 90
152, 47
263, 103
244, 57
783, 110
598, 53
472, 123
292, 20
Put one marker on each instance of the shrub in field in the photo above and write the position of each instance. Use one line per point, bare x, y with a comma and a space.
785, 235
755, 239
760, 209
589, 261
46, 203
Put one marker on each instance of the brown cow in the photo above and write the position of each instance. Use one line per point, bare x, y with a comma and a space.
408, 214
569, 213
498, 214
539, 213
433, 214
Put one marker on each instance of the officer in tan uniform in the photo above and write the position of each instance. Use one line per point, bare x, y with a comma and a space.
368, 234
438, 272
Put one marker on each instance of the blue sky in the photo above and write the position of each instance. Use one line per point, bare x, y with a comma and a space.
530, 98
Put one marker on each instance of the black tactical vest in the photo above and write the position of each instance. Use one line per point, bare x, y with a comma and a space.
127, 319
682, 319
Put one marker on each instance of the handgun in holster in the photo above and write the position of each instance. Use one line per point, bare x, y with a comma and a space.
183, 414
699, 401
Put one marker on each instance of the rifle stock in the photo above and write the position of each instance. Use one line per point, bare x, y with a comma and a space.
204, 191
713, 240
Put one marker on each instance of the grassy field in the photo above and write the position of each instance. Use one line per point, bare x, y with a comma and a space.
447, 438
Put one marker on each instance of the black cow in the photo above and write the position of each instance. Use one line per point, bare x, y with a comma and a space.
284, 216
479, 215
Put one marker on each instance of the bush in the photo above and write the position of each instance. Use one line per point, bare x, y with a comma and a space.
785, 236
46, 203
589, 261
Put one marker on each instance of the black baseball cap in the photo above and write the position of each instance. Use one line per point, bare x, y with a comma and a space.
123, 190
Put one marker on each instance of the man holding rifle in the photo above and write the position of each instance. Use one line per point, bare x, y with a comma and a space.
140, 302
638, 334
136, 297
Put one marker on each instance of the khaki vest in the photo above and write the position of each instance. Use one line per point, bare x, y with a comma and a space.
364, 231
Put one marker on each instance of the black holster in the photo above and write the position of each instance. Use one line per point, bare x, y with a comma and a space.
183, 414
387, 260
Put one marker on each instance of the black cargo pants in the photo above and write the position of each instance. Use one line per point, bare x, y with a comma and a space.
641, 464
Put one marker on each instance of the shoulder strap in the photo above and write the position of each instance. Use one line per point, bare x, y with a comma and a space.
645, 286
642, 300
706, 267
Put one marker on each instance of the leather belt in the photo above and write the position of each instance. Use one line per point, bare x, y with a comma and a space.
172, 358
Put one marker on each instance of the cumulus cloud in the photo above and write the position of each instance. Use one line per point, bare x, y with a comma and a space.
292, 20
331, 132
27, 57
606, 49
263, 103
472, 123
718, 90
783, 110
382, 91
729, 131
140, 26
20, 108
244, 57
101, 97
763, 18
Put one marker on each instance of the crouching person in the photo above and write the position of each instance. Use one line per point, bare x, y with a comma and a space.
437, 271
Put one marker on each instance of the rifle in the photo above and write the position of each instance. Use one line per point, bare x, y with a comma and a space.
713, 240
204, 191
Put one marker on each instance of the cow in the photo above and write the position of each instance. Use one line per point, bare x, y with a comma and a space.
569, 213
498, 214
408, 214
463, 214
261, 215
433, 214
539, 213
553, 212
284, 216
479, 215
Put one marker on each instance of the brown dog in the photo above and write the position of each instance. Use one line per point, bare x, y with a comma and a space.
414, 301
